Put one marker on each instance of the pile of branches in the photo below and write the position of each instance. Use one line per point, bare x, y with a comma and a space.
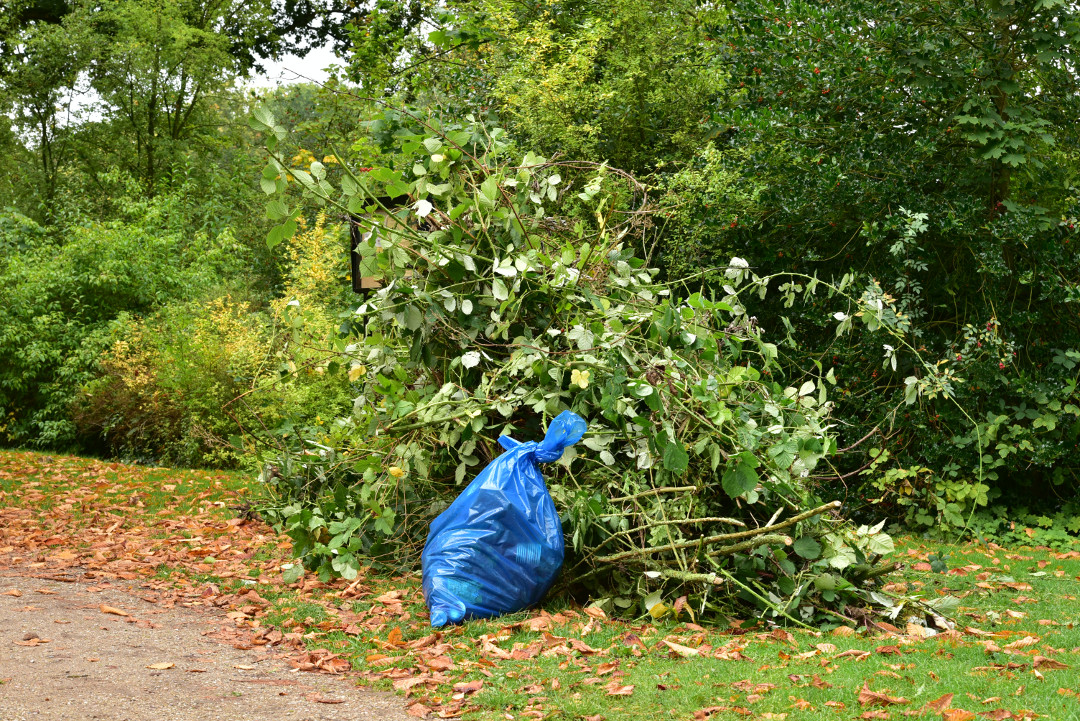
511, 288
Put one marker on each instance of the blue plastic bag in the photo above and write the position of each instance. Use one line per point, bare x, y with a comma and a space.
499, 546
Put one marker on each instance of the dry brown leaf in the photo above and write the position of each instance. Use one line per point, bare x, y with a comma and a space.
998, 714
616, 689
1043, 663
162, 666
940, 704
113, 611
679, 649
1022, 643
873, 698
707, 712
595, 612
468, 687
418, 710
957, 714
12, 592
317, 698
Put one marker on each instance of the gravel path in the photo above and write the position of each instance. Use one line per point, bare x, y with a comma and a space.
64, 656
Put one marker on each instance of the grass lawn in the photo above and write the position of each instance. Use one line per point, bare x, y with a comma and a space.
1014, 652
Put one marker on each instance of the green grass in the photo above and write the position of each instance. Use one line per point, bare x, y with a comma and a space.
777, 677
772, 676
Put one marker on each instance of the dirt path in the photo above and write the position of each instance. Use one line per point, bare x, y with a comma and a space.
66, 654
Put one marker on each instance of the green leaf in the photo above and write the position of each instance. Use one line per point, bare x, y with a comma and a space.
489, 189
740, 480
293, 573
807, 547
383, 175
261, 119
783, 454
675, 457
276, 210
274, 237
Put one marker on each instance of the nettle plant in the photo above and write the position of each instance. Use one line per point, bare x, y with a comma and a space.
509, 292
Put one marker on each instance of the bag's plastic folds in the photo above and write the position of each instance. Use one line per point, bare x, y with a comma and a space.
499, 546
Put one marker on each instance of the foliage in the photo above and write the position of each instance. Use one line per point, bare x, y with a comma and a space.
924, 148
183, 382
580, 79
61, 305
495, 314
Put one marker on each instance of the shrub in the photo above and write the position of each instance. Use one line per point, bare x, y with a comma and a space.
186, 381
63, 300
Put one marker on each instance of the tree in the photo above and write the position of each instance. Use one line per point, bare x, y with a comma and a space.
929, 149
40, 76
626, 80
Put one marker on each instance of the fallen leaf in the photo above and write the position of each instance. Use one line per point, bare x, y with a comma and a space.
1022, 643
12, 592
940, 704
163, 666
467, 687
873, 698
707, 712
418, 710
244, 667
113, 611
957, 714
998, 714
684, 651
616, 689
317, 698
1044, 663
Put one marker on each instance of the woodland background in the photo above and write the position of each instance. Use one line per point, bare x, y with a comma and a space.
926, 155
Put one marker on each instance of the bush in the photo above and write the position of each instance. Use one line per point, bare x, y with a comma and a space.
61, 298
184, 382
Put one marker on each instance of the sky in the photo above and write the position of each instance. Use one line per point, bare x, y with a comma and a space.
290, 68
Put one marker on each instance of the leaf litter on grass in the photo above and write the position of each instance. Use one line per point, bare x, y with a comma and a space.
174, 533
